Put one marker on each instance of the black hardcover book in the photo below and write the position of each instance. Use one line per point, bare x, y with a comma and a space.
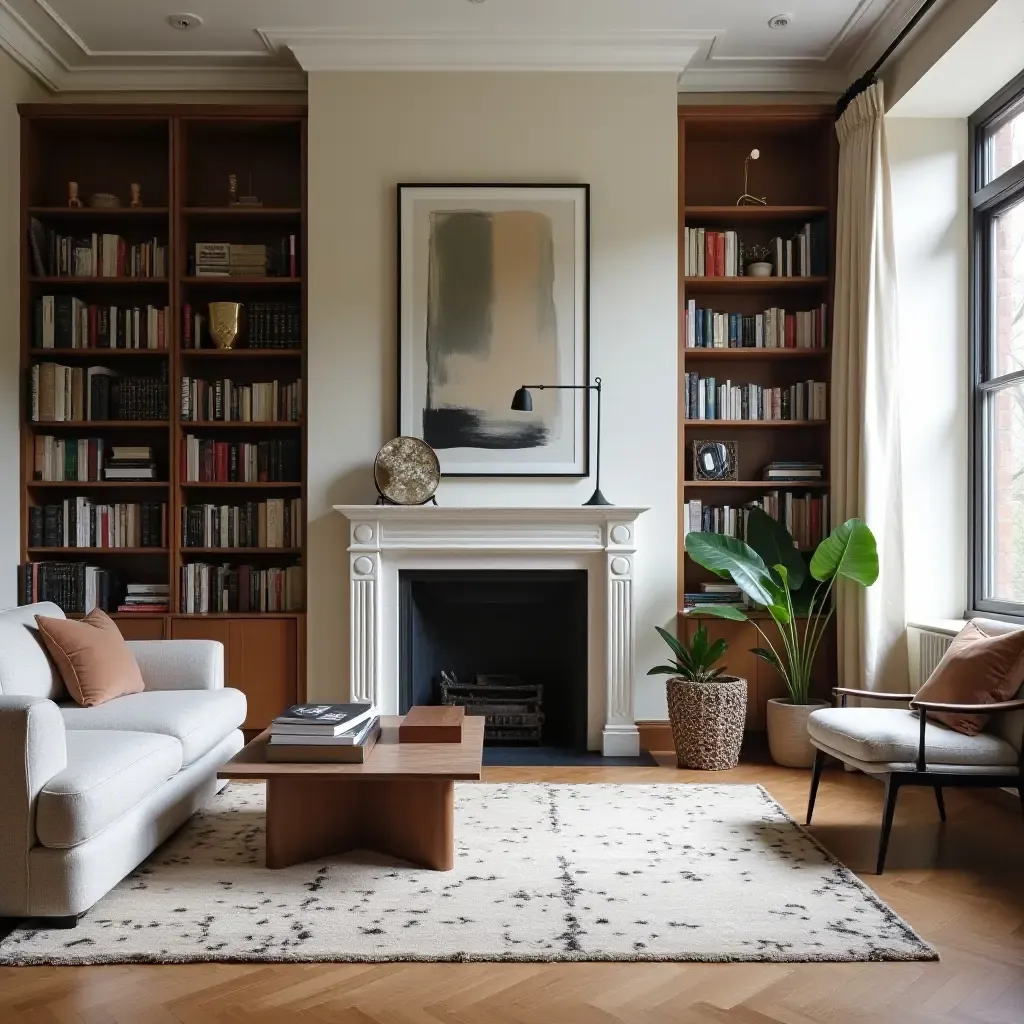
63, 321
318, 719
35, 526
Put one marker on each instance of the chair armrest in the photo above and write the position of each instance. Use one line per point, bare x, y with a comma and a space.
844, 692
32, 751
180, 664
968, 709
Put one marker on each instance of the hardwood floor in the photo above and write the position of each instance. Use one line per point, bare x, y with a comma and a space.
960, 885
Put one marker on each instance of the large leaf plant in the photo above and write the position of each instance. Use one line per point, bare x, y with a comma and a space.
694, 662
771, 572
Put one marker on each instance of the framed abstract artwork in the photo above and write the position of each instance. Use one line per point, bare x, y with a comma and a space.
493, 293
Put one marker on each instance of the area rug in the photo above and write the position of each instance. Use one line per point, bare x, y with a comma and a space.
543, 872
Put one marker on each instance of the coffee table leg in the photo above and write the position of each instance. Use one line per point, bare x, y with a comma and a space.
413, 819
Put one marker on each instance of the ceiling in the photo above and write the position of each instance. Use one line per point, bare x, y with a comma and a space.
715, 45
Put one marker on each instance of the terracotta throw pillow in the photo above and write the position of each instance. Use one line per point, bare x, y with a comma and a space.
94, 661
977, 669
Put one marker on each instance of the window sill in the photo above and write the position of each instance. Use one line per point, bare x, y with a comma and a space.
947, 627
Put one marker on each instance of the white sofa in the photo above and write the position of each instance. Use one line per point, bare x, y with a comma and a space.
88, 793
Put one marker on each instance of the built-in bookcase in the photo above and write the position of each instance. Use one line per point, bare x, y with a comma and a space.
181, 157
796, 172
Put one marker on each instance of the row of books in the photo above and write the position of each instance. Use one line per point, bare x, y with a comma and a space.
209, 588
73, 586
726, 595
708, 253
805, 516
774, 328
275, 523
62, 394
231, 259
95, 255
226, 400
62, 321
154, 598
207, 461
705, 398
338, 733
265, 325
82, 523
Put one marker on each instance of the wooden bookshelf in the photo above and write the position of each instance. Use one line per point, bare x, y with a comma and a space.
797, 173
181, 155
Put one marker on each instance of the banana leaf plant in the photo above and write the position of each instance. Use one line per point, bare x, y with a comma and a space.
694, 662
769, 570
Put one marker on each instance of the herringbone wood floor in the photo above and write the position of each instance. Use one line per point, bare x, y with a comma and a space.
960, 885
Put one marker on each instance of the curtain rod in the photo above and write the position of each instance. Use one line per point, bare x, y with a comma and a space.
869, 77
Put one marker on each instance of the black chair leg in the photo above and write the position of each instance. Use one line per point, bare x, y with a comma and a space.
819, 760
892, 789
940, 802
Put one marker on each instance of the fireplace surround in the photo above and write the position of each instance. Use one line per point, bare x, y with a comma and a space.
386, 540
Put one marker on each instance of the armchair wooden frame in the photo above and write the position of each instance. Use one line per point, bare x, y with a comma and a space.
922, 775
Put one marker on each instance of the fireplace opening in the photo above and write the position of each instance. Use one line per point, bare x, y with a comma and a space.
511, 644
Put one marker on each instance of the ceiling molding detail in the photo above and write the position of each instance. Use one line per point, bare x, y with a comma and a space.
747, 79
886, 29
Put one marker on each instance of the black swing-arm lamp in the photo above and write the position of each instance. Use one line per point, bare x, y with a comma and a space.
522, 401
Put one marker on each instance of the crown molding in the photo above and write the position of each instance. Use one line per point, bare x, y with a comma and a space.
740, 79
886, 29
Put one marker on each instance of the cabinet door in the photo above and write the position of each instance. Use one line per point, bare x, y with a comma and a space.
263, 664
141, 628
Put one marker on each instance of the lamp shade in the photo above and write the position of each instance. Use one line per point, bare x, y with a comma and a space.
522, 401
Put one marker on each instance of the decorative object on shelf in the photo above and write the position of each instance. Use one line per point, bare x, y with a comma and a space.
747, 199
104, 201
234, 199
136, 192
849, 552
522, 401
493, 286
758, 260
406, 471
225, 319
73, 201
706, 708
715, 460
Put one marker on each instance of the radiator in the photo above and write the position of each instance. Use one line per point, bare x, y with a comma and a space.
926, 649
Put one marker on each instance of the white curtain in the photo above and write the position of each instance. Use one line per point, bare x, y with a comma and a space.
865, 442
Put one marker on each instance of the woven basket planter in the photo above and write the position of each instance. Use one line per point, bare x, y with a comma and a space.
707, 722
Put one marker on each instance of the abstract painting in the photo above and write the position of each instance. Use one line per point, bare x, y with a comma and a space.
493, 294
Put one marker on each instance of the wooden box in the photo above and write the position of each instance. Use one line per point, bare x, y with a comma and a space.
436, 724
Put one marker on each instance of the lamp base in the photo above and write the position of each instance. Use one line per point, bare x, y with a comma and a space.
597, 498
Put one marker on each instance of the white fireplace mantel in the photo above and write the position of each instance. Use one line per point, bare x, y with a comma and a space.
386, 539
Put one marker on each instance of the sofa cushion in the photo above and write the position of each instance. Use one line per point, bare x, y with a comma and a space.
890, 734
94, 660
198, 719
25, 668
107, 774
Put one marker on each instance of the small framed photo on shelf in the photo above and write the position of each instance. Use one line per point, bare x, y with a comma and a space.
714, 460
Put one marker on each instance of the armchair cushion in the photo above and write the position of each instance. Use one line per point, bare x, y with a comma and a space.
892, 735
979, 667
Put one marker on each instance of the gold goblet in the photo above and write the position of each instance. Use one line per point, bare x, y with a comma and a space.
224, 323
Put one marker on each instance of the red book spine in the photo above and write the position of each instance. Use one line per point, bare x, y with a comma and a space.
121, 252
222, 461
93, 469
719, 254
709, 254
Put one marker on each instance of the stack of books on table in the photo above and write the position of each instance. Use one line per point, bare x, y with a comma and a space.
147, 599
719, 595
793, 472
130, 462
332, 733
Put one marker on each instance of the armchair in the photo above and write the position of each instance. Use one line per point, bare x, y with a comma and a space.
909, 750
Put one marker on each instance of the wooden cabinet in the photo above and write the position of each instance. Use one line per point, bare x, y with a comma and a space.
149, 628
261, 659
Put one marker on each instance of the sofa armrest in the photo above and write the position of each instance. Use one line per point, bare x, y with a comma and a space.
32, 751
180, 664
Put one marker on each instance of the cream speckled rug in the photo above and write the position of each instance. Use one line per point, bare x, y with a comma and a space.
543, 872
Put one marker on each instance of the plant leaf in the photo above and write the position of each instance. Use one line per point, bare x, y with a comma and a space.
677, 648
767, 655
665, 670
773, 542
717, 650
718, 611
727, 556
849, 551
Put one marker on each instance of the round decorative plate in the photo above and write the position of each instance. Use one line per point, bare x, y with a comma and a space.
407, 471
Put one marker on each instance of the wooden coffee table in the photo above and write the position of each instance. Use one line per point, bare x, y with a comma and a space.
400, 801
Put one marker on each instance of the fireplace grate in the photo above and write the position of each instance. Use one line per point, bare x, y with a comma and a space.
511, 707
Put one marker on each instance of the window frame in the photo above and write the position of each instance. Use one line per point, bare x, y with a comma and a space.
985, 203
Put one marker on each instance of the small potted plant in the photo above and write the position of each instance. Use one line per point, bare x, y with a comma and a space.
758, 261
706, 707
770, 570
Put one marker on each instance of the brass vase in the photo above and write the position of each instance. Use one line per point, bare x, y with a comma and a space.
225, 318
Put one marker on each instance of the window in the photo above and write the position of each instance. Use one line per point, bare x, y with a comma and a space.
997, 353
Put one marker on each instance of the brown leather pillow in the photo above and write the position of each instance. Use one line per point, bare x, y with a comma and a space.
977, 669
94, 661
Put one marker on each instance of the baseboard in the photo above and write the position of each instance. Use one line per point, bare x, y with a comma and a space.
655, 736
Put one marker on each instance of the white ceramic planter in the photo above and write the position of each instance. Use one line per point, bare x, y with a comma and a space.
788, 741
759, 270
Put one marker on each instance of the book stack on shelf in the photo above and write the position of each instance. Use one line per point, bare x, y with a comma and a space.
76, 587
328, 733
146, 598
83, 523
212, 259
228, 401
206, 461
247, 260
130, 462
707, 399
793, 471
241, 589
64, 322
774, 328
276, 523
709, 253
719, 595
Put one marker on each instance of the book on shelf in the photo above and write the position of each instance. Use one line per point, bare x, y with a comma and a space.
209, 588
81, 522
331, 720
72, 586
63, 321
130, 462
245, 259
60, 459
274, 523
793, 471
805, 516
774, 328
94, 255
265, 325
230, 402
316, 751
146, 598
711, 253
65, 394
707, 398
209, 461
193, 327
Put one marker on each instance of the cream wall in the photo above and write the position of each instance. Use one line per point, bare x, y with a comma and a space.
368, 132
928, 159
